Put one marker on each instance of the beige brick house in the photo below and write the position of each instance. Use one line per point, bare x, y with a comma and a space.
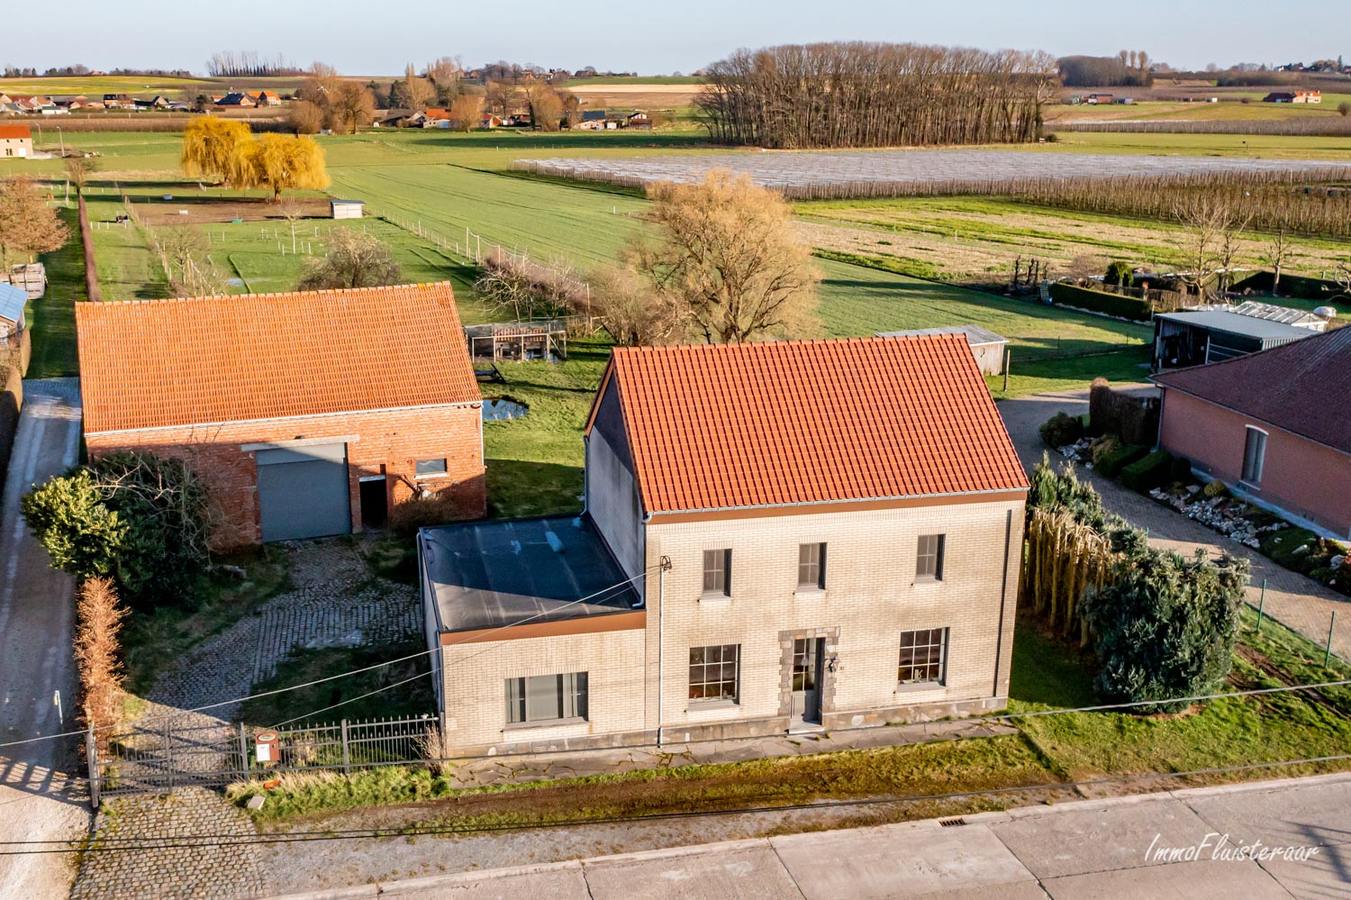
778, 536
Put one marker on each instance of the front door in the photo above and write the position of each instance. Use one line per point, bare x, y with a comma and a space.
807, 653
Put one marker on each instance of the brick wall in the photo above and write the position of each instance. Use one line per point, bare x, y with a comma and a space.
1303, 478
385, 443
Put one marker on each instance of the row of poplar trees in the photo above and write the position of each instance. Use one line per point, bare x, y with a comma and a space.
859, 94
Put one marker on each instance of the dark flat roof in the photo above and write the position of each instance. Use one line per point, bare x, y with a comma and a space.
1235, 323
497, 573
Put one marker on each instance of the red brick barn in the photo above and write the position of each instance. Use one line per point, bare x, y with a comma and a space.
1273, 425
305, 414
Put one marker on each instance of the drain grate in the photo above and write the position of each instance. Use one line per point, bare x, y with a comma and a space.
952, 823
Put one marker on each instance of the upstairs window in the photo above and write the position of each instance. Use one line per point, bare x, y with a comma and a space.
929, 558
718, 572
811, 566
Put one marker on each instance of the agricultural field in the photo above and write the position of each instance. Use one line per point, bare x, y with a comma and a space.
820, 174
139, 85
978, 239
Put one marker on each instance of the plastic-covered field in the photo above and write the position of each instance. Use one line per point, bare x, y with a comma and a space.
806, 174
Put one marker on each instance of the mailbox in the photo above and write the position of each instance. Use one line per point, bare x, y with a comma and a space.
266, 746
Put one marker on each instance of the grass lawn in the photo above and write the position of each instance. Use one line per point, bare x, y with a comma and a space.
52, 318
1047, 674
155, 638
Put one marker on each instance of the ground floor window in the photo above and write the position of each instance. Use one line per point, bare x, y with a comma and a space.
544, 698
715, 672
923, 655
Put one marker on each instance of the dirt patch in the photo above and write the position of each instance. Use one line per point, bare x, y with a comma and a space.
200, 210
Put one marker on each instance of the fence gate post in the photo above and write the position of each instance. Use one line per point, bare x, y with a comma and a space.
91, 755
169, 751
243, 751
345, 758
1327, 656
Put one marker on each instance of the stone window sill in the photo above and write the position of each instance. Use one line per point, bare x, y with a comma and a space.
439, 476
704, 705
912, 687
808, 592
550, 723
927, 581
717, 598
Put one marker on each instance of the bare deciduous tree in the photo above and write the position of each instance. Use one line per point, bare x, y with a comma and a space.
729, 257
1277, 252
631, 311
27, 224
467, 111
184, 253
353, 259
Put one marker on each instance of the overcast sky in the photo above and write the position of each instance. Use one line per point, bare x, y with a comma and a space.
363, 37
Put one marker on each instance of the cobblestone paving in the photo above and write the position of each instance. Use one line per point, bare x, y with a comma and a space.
163, 870
336, 604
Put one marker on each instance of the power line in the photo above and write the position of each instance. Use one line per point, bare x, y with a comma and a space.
346, 674
115, 844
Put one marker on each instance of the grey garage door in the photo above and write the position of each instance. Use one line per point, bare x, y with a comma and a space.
303, 492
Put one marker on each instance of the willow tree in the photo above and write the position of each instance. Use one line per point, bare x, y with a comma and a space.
279, 162
210, 144
729, 259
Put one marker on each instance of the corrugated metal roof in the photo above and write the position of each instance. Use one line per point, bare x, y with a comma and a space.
782, 423
975, 335
12, 301
1272, 313
1233, 323
1300, 386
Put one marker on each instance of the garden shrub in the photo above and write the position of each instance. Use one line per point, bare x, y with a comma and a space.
416, 513
1103, 447
1062, 429
1154, 470
1101, 301
1112, 463
1163, 627
1215, 489
1119, 273
132, 517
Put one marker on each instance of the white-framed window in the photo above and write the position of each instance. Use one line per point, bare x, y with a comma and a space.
546, 698
924, 655
430, 468
929, 557
1254, 455
715, 672
718, 572
811, 566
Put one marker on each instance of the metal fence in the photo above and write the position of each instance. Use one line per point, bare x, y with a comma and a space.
159, 756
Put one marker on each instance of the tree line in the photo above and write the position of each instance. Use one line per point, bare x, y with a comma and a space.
858, 94
248, 63
1129, 68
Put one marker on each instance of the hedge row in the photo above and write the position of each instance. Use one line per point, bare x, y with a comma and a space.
1101, 301
1297, 286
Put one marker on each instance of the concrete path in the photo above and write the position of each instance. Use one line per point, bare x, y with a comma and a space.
1275, 839
1295, 600
37, 799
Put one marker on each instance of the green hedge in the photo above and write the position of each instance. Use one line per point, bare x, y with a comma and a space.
1101, 301
1297, 286
1112, 464
1154, 470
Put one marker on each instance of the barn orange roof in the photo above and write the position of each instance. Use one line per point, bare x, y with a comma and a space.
800, 422
159, 363
14, 132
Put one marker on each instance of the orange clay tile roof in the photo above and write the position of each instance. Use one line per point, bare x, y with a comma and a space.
158, 363
14, 132
797, 422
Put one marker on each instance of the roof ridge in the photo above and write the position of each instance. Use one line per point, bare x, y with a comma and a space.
321, 292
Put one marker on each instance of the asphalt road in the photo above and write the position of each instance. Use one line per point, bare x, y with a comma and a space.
1270, 840
37, 799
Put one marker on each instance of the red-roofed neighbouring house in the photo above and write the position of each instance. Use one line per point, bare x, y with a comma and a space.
1273, 425
816, 535
16, 141
306, 413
